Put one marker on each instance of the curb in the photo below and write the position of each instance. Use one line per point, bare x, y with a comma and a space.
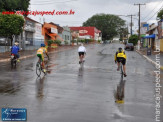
150, 60
29, 56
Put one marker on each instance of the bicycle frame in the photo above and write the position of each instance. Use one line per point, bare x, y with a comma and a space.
39, 68
13, 60
121, 66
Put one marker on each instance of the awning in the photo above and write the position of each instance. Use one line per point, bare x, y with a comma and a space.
150, 36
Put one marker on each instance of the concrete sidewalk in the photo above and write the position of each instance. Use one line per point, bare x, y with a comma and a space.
152, 58
31, 53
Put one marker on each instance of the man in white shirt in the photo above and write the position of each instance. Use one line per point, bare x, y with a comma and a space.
82, 52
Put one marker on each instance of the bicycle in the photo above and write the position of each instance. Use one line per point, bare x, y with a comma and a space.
119, 94
39, 68
121, 67
13, 60
81, 63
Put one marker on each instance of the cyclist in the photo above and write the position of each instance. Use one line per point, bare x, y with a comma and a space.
15, 49
40, 53
121, 56
81, 52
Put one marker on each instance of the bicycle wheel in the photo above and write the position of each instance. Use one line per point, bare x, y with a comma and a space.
15, 62
38, 69
81, 64
121, 71
12, 63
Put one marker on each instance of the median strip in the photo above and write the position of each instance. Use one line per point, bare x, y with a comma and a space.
29, 56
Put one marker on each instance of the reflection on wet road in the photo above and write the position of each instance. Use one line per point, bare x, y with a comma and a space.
69, 93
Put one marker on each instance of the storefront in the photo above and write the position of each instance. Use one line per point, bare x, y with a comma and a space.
149, 40
92, 32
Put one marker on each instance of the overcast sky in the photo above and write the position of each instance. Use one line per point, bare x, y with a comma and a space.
84, 9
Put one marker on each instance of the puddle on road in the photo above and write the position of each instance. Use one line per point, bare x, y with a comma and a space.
9, 86
119, 93
52, 65
40, 87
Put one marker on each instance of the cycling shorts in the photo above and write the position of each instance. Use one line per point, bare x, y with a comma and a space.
41, 57
121, 59
81, 53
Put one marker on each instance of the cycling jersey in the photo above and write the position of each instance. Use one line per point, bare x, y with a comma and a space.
40, 52
14, 49
81, 49
120, 55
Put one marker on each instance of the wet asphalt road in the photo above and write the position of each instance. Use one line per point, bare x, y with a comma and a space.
69, 94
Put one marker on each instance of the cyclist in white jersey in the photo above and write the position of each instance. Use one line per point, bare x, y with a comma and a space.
82, 52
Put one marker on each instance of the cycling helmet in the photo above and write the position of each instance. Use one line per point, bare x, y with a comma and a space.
42, 45
120, 49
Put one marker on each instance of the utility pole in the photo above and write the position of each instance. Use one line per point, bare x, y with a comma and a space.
131, 22
139, 18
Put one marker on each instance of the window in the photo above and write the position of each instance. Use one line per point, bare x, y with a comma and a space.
65, 38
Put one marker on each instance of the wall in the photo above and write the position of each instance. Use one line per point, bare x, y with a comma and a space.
84, 31
66, 34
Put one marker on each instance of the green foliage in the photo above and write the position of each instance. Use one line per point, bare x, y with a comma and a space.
123, 33
50, 42
133, 39
58, 42
82, 40
160, 14
11, 24
14, 5
73, 41
88, 40
85, 40
66, 42
110, 25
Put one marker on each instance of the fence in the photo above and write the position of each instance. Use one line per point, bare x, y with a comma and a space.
32, 43
29, 44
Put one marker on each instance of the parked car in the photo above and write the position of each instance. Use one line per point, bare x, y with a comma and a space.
129, 46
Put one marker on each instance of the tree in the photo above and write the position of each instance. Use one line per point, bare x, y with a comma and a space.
14, 5
110, 25
160, 14
123, 32
133, 39
11, 25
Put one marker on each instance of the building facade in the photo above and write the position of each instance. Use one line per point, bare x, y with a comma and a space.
66, 35
160, 34
87, 32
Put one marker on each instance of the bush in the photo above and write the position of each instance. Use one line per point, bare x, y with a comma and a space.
133, 39
50, 42
58, 42
99, 41
73, 41
66, 42
88, 40
82, 41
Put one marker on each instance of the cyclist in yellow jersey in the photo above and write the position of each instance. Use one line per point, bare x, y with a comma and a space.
40, 53
121, 56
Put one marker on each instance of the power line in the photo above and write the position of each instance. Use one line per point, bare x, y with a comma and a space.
139, 17
131, 21
150, 12
155, 13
